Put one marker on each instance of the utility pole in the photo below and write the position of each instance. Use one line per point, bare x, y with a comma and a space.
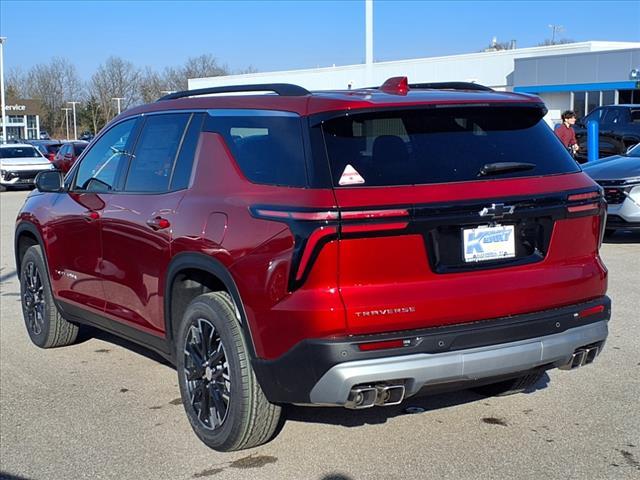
75, 129
118, 99
555, 29
66, 119
2, 105
368, 20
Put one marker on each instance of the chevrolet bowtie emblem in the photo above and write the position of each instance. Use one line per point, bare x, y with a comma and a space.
497, 210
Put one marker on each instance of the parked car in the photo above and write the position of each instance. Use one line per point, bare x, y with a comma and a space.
68, 154
87, 136
619, 176
619, 129
44, 135
19, 165
48, 148
341, 248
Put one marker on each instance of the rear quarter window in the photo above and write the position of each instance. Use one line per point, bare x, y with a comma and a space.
268, 146
439, 145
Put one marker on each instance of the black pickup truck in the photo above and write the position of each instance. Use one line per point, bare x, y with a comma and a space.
619, 129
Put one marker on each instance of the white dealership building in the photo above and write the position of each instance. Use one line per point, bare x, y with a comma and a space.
577, 76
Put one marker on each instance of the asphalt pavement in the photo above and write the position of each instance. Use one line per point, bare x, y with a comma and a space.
107, 409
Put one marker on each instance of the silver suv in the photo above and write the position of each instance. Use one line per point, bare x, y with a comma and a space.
620, 177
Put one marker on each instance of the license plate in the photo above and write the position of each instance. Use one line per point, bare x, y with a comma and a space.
488, 243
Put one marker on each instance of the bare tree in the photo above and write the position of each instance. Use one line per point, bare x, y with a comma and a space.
53, 84
115, 78
15, 81
152, 85
558, 41
195, 67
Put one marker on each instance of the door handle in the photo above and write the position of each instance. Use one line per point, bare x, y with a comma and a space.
91, 215
158, 223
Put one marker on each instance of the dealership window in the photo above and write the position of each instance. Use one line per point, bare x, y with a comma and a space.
608, 97
593, 100
580, 103
629, 96
32, 127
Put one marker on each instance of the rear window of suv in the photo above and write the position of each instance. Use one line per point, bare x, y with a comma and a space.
439, 145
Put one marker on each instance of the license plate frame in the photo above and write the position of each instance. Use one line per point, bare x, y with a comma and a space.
485, 243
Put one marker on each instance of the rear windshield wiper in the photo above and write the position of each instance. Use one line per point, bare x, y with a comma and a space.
504, 167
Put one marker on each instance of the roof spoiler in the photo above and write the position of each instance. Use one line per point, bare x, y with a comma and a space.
283, 89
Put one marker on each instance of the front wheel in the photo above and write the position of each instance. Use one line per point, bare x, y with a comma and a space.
45, 325
220, 393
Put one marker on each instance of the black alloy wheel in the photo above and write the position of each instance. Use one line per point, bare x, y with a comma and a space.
33, 301
207, 374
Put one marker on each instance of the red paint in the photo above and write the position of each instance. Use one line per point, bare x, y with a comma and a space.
120, 261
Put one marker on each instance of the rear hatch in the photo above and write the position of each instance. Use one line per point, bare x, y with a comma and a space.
458, 214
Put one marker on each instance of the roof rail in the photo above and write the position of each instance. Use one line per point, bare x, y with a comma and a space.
450, 86
284, 89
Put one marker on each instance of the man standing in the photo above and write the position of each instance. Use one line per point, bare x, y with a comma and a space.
565, 132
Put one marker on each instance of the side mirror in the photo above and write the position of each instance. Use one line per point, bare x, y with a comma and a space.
49, 181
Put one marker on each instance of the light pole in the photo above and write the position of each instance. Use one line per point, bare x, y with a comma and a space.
4, 120
118, 99
66, 119
75, 130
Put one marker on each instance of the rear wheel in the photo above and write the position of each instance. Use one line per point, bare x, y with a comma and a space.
220, 393
45, 325
510, 387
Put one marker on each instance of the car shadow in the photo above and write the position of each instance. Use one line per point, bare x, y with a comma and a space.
88, 333
623, 236
423, 402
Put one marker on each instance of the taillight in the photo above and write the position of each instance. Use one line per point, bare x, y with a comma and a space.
583, 204
312, 229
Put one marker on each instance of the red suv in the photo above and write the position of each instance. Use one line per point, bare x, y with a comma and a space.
341, 248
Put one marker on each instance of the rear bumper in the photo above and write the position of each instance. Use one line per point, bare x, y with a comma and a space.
324, 371
418, 371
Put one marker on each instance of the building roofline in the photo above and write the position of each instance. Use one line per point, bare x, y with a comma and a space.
593, 45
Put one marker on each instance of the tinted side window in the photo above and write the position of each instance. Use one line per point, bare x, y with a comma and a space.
267, 147
78, 148
102, 164
184, 163
152, 163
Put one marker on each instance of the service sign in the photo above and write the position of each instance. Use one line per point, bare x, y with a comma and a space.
489, 243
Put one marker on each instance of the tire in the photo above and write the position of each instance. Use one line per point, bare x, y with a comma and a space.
510, 387
234, 414
45, 325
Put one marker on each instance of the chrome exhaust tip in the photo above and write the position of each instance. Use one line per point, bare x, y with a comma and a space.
361, 397
591, 355
576, 360
389, 395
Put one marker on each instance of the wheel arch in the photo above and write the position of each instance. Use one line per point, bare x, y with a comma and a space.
212, 275
27, 235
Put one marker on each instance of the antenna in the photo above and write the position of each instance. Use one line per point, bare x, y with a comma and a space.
555, 29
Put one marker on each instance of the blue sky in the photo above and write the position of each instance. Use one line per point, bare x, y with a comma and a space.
289, 35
